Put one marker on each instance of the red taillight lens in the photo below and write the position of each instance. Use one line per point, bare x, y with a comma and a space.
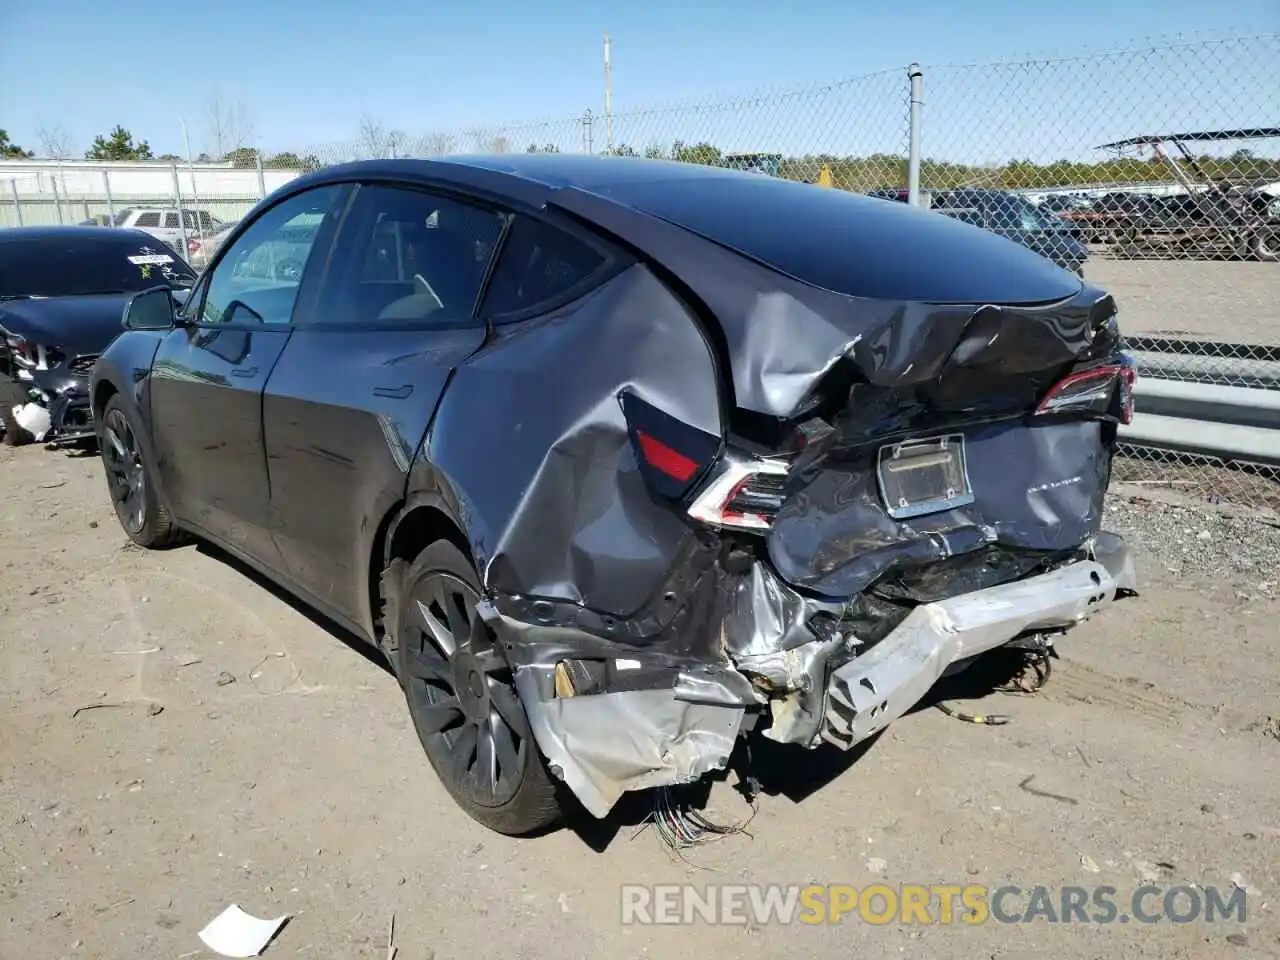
193, 245
665, 459
670, 453
745, 495
1105, 391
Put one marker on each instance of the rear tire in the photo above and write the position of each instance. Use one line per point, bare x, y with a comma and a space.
462, 697
131, 479
13, 394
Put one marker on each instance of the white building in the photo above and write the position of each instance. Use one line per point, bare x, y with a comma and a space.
69, 191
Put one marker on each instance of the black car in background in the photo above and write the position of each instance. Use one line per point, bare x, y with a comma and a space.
613, 474
63, 291
1007, 215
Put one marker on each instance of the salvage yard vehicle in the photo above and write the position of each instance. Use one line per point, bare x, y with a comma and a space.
1008, 215
63, 292
1213, 218
615, 476
173, 226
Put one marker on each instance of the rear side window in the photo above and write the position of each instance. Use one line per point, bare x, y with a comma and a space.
538, 264
148, 220
171, 221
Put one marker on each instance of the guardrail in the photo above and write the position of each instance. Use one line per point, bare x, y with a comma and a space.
1208, 405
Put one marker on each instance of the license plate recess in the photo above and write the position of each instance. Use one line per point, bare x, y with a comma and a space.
917, 477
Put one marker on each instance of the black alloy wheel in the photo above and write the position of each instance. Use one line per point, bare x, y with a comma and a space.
462, 697
126, 478
130, 480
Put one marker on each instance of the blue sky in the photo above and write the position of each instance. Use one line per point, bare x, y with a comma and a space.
310, 69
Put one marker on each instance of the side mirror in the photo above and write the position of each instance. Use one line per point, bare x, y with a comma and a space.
150, 310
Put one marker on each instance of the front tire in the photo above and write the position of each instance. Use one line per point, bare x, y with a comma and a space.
462, 697
13, 394
131, 479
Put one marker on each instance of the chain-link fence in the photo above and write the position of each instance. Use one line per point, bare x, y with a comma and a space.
1153, 171
1164, 164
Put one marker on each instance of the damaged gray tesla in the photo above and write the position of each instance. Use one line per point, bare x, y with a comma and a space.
619, 461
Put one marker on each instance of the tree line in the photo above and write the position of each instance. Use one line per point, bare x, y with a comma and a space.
230, 130
890, 170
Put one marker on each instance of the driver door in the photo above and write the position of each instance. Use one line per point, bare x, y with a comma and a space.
208, 376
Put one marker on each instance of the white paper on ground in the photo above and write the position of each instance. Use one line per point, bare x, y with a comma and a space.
234, 933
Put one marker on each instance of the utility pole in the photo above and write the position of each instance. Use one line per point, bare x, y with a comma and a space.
608, 95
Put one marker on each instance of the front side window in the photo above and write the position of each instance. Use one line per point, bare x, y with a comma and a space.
258, 277
410, 257
148, 220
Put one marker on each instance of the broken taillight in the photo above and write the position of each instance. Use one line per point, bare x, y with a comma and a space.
1105, 391
744, 495
671, 453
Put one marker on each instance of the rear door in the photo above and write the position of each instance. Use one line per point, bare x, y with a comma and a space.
347, 405
207, 378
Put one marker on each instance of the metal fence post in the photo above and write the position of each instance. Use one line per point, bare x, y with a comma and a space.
17, 204
57, 200
111, 204
262, 177
177, 202
913, 145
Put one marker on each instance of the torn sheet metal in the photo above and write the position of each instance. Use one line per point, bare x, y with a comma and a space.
1035, 488
1009, 311
871, 691
606, 744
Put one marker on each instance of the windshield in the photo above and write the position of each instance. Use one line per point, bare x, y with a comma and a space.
62, 266
1035, 219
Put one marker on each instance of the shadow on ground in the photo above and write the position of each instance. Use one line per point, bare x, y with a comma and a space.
757, 766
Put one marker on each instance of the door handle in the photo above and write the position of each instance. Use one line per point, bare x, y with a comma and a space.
394, 393
244, 372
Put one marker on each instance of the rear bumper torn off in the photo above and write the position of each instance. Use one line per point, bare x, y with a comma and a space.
608, 744
871, 691
656, 723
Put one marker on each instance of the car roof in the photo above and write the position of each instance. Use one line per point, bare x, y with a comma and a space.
821, 237
532, 177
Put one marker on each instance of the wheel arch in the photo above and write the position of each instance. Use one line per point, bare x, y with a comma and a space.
409, 527
103, 391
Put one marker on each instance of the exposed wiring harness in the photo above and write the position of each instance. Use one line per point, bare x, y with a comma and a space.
681, 827
1032, 674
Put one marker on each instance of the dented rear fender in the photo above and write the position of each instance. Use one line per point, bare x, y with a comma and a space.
567, 516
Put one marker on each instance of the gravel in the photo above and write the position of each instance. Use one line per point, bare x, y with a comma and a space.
1199, 541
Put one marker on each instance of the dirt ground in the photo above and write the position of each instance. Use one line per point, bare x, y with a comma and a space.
298, 787
1227, 301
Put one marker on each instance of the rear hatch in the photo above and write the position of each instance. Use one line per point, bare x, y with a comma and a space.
916, 358
986, 435
909, 393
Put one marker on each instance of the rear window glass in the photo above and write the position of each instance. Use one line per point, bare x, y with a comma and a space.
538, 264
850, 244
67, 267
